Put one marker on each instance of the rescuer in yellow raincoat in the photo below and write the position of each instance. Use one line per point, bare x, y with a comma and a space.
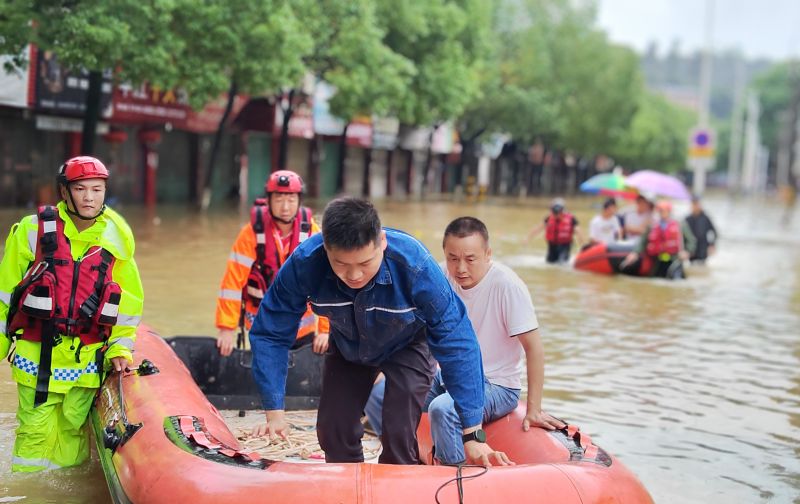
70, 302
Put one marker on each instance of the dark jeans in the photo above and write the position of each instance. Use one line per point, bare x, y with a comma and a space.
345, 390
671, 269
558, 253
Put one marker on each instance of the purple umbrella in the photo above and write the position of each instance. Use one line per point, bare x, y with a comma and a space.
658, 183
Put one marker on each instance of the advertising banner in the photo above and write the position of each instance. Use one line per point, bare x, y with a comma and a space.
63, 91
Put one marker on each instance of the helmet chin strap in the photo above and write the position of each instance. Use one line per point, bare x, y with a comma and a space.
75, 213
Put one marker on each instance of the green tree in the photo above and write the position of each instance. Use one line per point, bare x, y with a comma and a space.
130, 37
449, 43
254, 47
775, 88
349, 53
592, 84
657, 137
206, 48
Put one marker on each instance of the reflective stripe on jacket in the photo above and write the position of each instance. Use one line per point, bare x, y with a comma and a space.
240, 263
73, 364
79, 296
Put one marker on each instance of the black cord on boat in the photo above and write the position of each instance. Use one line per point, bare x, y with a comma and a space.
459, 479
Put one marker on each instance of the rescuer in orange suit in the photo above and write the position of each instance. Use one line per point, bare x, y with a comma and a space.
278, 223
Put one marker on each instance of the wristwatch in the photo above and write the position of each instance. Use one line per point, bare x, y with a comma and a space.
478, 435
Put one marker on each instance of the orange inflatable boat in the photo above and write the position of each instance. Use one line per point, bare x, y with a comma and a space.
606, 259
160, 440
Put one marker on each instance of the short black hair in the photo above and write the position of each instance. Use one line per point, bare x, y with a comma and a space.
609, 202
466, 226
350, 224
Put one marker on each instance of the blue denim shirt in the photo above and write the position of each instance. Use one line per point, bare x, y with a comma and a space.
409, 293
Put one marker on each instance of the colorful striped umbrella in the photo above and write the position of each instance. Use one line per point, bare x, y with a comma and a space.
609, 184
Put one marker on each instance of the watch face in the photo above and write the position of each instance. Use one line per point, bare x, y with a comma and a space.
480, 436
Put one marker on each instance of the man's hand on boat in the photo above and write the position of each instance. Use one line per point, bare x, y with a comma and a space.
225, 341
483, 454
538, 418
629, 259
320, 343
479, 452
276, 426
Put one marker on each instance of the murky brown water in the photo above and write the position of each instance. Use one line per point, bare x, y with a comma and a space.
695, 385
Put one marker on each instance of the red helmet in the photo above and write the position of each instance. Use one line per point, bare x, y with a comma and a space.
284, 181
81, 168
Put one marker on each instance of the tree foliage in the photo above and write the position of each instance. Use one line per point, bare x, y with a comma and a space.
554, 76
537, 69
198, 46
350, 54
128, 36
258, 45
775, 88
447, 41
657, 136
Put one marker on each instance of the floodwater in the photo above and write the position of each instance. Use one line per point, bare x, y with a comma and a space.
694, 385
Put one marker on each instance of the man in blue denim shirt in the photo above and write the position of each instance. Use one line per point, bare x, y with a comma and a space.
501, 310
388, 303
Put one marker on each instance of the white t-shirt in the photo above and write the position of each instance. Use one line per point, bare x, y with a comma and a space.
605, 230
635, 219
499, 308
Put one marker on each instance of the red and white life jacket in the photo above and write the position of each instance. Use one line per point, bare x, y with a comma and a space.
559, 228
666, 240
268, 258
72, 298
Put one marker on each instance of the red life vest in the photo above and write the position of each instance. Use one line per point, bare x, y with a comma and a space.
667, 240
268, 259
559, 228
61, 296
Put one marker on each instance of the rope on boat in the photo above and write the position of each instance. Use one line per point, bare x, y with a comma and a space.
301, 442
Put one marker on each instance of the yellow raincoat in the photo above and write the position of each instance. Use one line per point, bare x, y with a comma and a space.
51, 435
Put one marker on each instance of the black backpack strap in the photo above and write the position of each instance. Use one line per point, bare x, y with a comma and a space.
259, 229
305, 222
49, 239
48, 244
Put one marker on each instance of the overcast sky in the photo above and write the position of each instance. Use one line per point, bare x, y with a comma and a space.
760, 28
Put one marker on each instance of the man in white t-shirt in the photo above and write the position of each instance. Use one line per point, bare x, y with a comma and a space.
605, 226
502, 314
641, 217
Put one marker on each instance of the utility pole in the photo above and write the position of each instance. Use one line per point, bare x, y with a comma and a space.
787, 174
699, 180
735, 148
750, 163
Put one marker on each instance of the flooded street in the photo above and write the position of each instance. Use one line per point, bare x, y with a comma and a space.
694, 385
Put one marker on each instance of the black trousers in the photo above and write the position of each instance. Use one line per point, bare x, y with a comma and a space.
345, 389
558, 253
671, 269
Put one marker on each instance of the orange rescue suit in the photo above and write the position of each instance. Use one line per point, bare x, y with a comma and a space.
235, 280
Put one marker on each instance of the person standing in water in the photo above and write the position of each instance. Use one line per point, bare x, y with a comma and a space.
71, 299
278, 224
560, 227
